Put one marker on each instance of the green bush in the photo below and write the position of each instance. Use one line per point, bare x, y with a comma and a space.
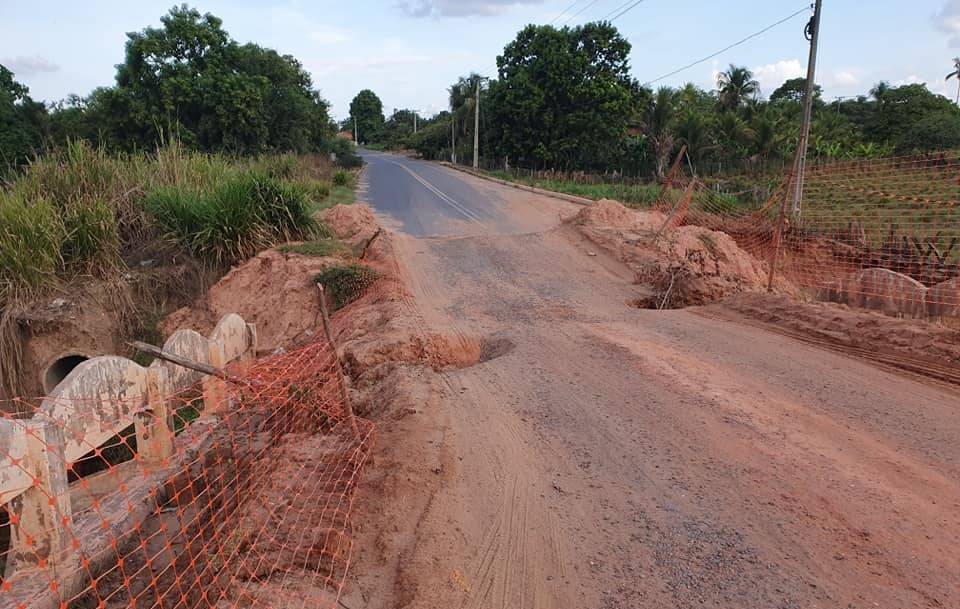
345, 284
350, 160
244, 215
342, 178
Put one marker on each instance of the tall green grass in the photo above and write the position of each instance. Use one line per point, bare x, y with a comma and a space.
31, 238
245, 214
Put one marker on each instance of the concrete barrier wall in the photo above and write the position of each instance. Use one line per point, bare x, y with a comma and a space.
895, 294
96, 401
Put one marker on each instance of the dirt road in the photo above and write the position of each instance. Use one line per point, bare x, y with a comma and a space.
607, 457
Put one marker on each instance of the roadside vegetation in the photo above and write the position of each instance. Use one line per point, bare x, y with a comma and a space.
190, 163
346, 283
539, 114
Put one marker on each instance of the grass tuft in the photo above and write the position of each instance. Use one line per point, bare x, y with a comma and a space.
346, 283
319, 248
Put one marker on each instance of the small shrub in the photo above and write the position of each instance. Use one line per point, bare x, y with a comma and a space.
345, 284
317, 190
342, 178
349, 160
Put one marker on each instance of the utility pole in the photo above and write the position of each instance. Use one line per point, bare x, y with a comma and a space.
453, 138
476, 130
813, 32
414, 122
356, 132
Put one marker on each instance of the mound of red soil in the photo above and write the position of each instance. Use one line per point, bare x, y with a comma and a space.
274, 290
687, 265
350, 222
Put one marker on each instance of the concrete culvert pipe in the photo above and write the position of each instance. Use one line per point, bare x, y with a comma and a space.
59, 369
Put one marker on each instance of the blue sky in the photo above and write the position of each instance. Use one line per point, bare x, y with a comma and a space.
410, 51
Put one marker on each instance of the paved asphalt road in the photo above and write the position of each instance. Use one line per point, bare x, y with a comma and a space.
426, 199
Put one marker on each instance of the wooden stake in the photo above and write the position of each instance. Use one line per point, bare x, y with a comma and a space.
186, 363
366, 247
336, 356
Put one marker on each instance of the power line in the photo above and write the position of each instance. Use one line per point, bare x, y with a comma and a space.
616, 9
626, 10
727, 48
564, 12
580, 12
487, 71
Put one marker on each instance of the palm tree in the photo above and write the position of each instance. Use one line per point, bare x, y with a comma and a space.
879, 90
956, 74
735, 85
693, 131
463, 95
658, 126
767, 131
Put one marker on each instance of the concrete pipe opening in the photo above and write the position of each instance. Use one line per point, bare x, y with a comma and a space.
59, 369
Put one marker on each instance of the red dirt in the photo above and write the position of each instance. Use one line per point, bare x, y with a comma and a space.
686, 265
916, 345
274, 290
621, 458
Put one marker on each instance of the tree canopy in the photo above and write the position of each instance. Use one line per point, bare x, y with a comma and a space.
188, 79
366, 114
564, 97
23, 122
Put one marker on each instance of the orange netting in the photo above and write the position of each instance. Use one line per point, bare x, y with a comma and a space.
250, 508
882, 234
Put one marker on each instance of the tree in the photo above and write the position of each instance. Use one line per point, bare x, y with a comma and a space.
366, 110
735, 85
432, 141
463, 100
398, 129
902, 110
956, 74
794, 89
563, 97
190, 78
658, 127
23, 122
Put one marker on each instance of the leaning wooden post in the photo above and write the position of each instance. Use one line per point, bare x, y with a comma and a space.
41, 517
344, 394
778, 233
154, 435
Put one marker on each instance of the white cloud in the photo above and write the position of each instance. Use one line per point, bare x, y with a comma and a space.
772, 75
845, 78
26, 66
323, 34
458, 8
948, 21
912, 79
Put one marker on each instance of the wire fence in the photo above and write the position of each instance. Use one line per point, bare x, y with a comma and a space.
218, 494
881, 234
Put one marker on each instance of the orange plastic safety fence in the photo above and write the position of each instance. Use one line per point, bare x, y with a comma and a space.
881, 234
249, 507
